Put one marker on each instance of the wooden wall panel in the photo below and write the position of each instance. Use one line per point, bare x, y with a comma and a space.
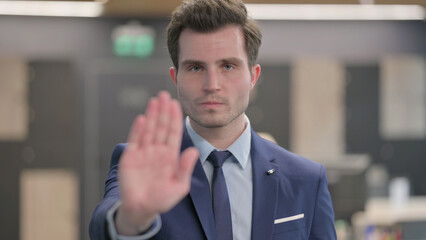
13, 99
49, 205
403, 97
317, 108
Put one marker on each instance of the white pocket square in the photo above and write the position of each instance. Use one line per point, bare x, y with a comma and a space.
288, 219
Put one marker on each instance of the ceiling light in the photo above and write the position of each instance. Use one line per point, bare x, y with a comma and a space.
51, 8
335, 12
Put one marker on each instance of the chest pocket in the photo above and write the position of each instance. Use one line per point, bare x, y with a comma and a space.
294, 230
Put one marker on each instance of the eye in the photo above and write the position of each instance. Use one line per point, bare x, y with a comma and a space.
228, 67
194, 68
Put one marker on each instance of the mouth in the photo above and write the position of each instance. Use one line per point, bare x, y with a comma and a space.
211, 104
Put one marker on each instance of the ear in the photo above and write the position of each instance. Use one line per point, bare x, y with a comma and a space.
255, 73
173, 74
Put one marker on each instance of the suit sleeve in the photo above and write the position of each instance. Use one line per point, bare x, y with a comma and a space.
98, 229
323, 221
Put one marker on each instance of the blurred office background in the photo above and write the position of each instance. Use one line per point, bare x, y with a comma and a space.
345, 90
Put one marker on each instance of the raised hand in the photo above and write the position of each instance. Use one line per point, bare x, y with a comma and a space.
153, 175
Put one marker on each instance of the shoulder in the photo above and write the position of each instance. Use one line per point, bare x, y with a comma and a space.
289, 162
116, 154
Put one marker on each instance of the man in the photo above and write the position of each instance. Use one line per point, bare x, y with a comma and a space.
165, 186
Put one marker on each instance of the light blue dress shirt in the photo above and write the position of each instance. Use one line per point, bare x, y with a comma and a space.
238, 176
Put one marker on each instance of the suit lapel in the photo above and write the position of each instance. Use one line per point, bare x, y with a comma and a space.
200, 193
265, 189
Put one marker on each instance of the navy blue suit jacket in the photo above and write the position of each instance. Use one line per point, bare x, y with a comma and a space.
298, 186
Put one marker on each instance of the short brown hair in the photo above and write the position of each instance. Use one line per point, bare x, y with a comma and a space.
210, 15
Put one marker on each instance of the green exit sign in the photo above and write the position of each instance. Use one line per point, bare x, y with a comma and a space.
133, 40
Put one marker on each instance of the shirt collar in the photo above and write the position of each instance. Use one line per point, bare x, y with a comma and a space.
240, 149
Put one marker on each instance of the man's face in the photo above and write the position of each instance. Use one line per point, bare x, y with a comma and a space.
214, 79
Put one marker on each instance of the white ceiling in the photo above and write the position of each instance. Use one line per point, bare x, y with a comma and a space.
163, 8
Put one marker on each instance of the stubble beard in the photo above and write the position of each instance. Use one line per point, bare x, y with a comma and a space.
209, 121
212, 118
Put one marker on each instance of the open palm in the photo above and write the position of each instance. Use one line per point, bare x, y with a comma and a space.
153, 175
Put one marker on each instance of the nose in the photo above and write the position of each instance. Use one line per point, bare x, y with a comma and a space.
211, 81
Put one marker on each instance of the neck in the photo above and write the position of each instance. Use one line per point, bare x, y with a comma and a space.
221, 137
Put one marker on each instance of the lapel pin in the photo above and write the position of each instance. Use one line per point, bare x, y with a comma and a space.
270, 171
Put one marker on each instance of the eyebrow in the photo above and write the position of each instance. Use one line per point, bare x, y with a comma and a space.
224, 60
192, 62
232, 59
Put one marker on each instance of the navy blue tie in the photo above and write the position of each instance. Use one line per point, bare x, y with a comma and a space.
221, 206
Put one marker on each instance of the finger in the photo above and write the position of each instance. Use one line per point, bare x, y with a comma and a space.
176, 126
136, 132
163, 118
151, 122
187, 163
